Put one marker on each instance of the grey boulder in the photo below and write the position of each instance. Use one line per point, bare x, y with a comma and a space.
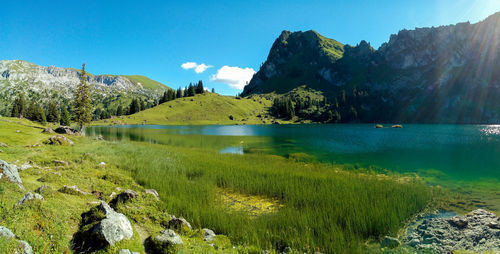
208, 235
29, 196
114, 228
10, 172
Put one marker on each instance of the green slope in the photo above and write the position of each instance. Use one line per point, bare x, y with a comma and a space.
208, 108
146, 82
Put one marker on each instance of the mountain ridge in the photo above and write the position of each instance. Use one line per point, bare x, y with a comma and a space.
436, 74
58, 83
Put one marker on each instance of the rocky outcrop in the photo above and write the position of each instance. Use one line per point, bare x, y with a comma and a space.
66, 130
10, 172
72, 190
123, 197
445, 74
114, 227
29, 196
208, 235
59, 140
166, 242
153, 192
477, 231
179, 224
22, 247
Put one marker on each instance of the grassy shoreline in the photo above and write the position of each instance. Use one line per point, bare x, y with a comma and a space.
321, 207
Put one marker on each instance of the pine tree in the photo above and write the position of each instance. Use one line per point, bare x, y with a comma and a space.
179, 93
134, 107
213, 90
83, 106
36, 113
143, 105
19, 107
199, 88
52, 112
65, 121
119, 110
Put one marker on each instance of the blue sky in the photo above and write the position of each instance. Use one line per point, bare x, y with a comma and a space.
154, 38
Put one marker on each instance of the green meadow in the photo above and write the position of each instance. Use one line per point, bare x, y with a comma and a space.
317, 206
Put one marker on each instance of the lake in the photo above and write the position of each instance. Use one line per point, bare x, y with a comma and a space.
451, 152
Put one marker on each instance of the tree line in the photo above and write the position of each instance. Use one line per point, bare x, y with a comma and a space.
81, 111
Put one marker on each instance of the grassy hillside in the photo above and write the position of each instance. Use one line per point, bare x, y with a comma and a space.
146, 82
208, 108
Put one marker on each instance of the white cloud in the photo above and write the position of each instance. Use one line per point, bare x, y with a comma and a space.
201, 68
198, 68
235, 77
188, 65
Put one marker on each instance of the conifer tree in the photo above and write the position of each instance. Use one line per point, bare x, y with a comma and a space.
18, 107
83, 106
65, 120
52, 112
179, 93
119, 110
199, 88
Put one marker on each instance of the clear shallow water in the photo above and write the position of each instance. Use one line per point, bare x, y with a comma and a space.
461, 152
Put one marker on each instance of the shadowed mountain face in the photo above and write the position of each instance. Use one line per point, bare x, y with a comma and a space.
448, 74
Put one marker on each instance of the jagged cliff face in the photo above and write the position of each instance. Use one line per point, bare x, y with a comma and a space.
444, 74
45, 83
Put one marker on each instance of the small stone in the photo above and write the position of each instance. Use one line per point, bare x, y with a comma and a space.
3, 145
48, 130
25, 247
66, 130
25, 166
10, 171
153, 192
102, 164
29, 196
166, 241
458, 222
208, 235
72, 190
5, 232
123, 197
59, 140
390, 242
60, 162
179, 224
114, 228
99, 137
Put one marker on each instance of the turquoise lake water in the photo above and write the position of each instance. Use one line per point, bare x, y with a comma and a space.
461, 152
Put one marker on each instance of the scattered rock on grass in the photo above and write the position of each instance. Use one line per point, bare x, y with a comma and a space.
72, 190
25, 166
48, 130
123, 197
5, 232
208, 235
153, 192
10, 171
166, 242
102, 164
114, 228
66, 130
3, 144
59, 140
179, 224
99, 137
29, 196
60, 162
42, 188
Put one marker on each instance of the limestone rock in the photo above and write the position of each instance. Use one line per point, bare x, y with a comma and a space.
72, 190
10, 171
127, 251
48, 130
29, 196
59, 140
474, 232
179, 224
25, 166
208, 235
123, 197
153, 192
66, 130
25, 247
114, 228
166, 242
5, 232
